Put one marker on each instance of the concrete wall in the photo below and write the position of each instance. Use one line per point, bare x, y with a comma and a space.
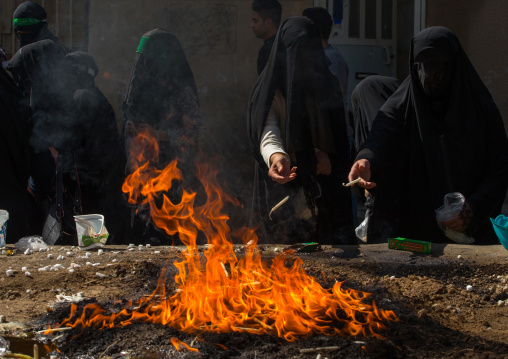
481, 28
221, 49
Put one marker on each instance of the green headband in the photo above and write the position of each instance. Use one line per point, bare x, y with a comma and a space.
142, 44
26, 21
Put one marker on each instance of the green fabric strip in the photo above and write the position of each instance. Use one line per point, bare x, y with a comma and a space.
26, 21
142, 44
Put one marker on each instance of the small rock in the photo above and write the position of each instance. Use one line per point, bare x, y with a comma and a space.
60, 258
28, 274
132, 249
100, 275
50, 256
71, 270
9, 272
422, 312
2, 318
24, 269
131, 245
99, 252
469, 288
157, 252
459, 256
88, 254
148, 245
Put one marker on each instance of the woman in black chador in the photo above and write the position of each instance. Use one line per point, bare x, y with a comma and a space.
162, 98
298, 138
71, 123
447, 135
367, 98
15, 159
101, 159
29, 22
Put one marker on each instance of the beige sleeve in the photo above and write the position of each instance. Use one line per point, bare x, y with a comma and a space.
271, 139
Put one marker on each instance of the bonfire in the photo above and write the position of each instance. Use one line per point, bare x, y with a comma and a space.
226, 293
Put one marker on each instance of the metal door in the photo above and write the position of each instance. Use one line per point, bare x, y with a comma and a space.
365, 34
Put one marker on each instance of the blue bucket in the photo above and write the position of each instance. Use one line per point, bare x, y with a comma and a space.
501, 228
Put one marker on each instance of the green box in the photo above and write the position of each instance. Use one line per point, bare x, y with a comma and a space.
411, 245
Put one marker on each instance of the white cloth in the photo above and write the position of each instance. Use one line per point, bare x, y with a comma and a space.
271, 139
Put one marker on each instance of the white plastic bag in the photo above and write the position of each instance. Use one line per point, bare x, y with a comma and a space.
361, 230
34, 243
453, 203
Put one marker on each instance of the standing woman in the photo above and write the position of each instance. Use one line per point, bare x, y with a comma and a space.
447, 132
299, 141
15, 159
162, 98
41, 71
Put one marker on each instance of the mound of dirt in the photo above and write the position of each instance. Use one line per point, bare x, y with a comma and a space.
451, 303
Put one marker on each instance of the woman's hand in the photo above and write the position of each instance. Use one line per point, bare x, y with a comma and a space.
361, 169
280, 171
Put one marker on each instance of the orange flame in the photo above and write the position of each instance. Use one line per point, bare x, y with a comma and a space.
178, 343
227, 293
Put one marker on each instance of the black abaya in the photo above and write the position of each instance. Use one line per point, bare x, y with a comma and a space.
314, 120
446, 137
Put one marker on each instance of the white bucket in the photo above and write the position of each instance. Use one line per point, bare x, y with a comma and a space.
92, 232
4, 216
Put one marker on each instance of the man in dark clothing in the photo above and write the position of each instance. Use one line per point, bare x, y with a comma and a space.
29, 20
440, 132
266, 16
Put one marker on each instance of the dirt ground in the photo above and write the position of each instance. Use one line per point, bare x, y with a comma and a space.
439, 316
